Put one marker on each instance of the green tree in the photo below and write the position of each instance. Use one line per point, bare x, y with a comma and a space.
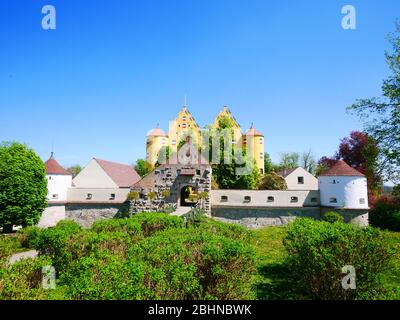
396, 191
272, 181
74, 170
289, 160
141, 167
236, 169
163, 156
308, 162
381, 116
268, 165
23, 186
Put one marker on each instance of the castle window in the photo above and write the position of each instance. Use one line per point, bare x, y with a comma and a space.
270, 199
89, 196
261, 140
224, 198
294, 199
173, 142
247, 199
184, 118
332, 200
300, 180
184, 125
198, 172
233, 141
245, 140
112, 196
362, 201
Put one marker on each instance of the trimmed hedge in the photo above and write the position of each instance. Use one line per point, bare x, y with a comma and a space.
332, 217
319, 250
386, 213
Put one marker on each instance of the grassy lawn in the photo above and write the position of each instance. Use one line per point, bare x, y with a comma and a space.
273, 281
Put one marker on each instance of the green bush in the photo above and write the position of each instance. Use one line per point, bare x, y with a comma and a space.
23, 280
194, 263
332, 217
319, 250
130, 226
29, 236
102, 275
386, 213
153, 222
8, 246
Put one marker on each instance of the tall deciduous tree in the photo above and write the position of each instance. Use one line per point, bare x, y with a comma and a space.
140, 167
289, 160
226, 174
268, 164
23, 186
361, 152
381, 116
74, 170
308, 161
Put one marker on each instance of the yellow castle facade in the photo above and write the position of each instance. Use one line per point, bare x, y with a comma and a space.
185, 125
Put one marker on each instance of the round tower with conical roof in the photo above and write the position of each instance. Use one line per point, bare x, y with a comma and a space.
156, 139
253, 142
344, 188
59, 181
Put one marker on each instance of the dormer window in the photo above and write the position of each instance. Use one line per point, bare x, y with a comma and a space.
112, 196
300, 180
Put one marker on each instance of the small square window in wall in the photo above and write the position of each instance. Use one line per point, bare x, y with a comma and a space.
89, 196
362, 200
270, 199
314, 199
198, 172
300, 180
224, 198
247, 199
55, 196
332, 200
112, 196
294, 199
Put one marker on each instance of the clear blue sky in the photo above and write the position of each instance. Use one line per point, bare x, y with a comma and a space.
113, 69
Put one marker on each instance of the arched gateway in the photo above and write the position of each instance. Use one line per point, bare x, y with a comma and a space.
176, 183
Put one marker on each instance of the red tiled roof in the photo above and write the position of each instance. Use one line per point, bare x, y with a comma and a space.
122, 174
157, 132
341, 168
53, 167
253, 132
284, 173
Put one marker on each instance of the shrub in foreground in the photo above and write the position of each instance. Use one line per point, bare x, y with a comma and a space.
386, 213
319, 250
332, 217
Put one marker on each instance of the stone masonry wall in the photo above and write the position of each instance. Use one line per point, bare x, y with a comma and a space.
86, 214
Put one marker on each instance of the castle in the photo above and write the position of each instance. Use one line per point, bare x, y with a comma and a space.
185, 125
100, 190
